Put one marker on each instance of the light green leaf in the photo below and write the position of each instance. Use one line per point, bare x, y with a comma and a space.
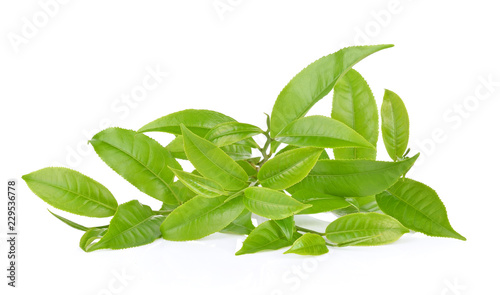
287, 226
271, 204
200, 185
201, 217
323, 156
288, 168
212, 162
320, 202
315, 82
381, 228
242, 225
323, 132
176, 148
250, 169
71, 191
363, 204
133, 225
90, 236
238, 152
198, 121
69, 222
353, 178
395, 125
417, 207
267, 236
140, 160
309, 244
355, 106
232, 132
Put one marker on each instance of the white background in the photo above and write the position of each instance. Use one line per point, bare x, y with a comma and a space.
64, 80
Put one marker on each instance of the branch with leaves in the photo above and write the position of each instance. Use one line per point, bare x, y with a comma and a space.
293, 175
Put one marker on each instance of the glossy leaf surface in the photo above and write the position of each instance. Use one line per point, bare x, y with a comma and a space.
271, 204
309, 244
395, 125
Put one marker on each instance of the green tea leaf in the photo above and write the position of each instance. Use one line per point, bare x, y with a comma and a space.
242, 225
287, 226
266, 236
320, 202
315, 82
71, 191
249, 168
140, 160
309, 244
381, 228
323, 156
176, 148
200, 185
69, 222
198, 121
238, 152
213, 163
363, 204
353, 178
288, 168
271, 204
417, 207
355, 106
395, 125
232, 132
133, 225
201, 217
323, 132
90, 236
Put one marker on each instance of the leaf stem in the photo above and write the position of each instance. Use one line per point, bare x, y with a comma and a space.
303, 229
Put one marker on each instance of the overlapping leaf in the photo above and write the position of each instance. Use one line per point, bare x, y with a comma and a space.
288, 168
232, 132
212, 162
201, 217
417, 207
198, 121
140, 160
313, 83
200, 185
266, 236
320, 202
355, 106
323, 132
271, 204
309, 244
353, 178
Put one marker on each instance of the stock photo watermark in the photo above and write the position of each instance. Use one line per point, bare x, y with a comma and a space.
452, 287
224, 7
119, 281
31, 26
122, 107
455, 116
379, 20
